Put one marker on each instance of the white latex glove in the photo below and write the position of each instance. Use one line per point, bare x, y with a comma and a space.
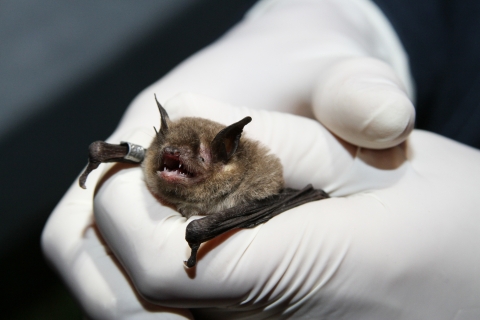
399, 240
277, 59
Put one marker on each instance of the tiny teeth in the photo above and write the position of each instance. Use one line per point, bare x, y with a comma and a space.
180, 165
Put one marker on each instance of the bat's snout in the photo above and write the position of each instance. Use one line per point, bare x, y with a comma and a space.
172, 163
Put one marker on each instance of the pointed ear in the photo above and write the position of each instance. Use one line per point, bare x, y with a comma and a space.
163, 118
226, 142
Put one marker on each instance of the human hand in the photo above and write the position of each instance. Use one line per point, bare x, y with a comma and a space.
276, 60
397, 240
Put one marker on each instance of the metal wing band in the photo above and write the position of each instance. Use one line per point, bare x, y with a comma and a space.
135, 153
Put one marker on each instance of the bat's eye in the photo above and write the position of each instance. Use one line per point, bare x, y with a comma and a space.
201, 159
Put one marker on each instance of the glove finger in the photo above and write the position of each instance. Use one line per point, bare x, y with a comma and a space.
362, 101
309, 153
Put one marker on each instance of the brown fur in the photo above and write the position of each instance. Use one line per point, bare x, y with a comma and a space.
250, 174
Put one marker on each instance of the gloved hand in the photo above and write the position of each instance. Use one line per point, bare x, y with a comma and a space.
398, 240
277, 59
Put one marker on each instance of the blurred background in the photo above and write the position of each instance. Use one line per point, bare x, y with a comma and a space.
68, 70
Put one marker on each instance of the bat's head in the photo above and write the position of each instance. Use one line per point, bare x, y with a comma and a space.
194, 162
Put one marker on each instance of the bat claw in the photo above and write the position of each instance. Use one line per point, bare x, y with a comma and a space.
83, 178
192, 261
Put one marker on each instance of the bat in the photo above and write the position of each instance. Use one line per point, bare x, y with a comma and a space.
201, 167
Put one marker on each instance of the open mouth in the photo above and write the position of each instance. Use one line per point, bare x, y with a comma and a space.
172, 166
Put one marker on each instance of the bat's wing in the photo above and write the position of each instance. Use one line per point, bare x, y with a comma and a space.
246, 216
100, 151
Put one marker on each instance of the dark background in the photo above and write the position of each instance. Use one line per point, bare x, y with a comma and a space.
442, 39
69, 69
